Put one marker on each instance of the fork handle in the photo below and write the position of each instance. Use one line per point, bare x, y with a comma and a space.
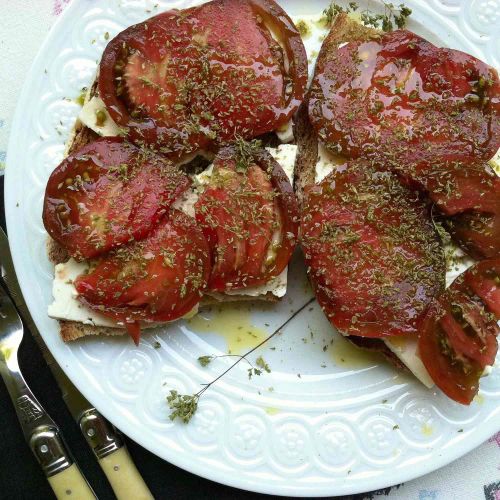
63, 475
70, 484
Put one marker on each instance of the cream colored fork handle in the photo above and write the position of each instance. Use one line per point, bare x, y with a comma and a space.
124, 477
69, 484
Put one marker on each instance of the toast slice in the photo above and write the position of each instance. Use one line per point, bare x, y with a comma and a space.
72, 330
343, 30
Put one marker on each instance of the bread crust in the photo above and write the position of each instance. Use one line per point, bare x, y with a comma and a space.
307, 152
344, 29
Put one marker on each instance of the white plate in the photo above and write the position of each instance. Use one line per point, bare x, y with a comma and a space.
330, 430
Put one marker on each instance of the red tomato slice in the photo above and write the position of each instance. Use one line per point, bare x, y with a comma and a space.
472, 332
249, 216
106, 194
373, 256
471, 187
484, 280
158, 279
457, 376
467, 193
458, 337
477, 233
186, 80
259, 239
455, 186
400, 93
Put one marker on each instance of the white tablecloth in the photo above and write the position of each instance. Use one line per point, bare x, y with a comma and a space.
25, 23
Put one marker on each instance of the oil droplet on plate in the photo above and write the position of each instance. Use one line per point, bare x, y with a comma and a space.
427, 430
272, 411
345, 354
479, 399
234, 323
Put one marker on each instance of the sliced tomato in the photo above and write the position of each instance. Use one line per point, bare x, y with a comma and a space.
187, 80
477, 233
472, 332
400, 93
249, 216
108, 193
260, 242
458, 337
464, 188
467, 193
373, 256
484, 280
453, 185
158, 279
457, 376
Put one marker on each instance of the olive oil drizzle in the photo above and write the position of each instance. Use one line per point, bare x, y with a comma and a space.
184, 406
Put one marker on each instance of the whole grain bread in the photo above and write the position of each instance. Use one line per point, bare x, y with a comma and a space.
343, 29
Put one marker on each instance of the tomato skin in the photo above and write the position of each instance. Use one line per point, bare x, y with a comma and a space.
219, 45
466, 193
240, 211
458, 337
472, 207
106, 194
453, 185
373, 256
405, 94
484, 280
155, 280
459, 310
449, 377
477, 233
134, 330
258, 243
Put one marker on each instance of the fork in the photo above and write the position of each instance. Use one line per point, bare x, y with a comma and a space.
41, 433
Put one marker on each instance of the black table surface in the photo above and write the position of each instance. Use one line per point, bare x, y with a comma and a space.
21, 476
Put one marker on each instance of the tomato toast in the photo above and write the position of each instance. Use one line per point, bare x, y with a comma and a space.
391, 121
172, 94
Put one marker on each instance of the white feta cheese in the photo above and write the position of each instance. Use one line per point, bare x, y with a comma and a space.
405, 348
96, 117
326, 163
66, 305
285, 133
